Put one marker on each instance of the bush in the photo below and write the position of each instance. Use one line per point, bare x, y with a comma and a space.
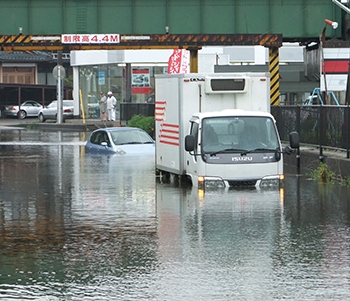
145, 123
323, 174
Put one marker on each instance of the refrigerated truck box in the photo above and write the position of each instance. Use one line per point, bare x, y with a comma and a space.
227, 104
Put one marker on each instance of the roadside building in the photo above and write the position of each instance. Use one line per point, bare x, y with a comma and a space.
130, 73
27, 75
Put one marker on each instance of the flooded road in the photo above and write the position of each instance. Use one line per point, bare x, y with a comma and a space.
79, 227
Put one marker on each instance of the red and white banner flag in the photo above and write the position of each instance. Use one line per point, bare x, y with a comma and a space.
178, 61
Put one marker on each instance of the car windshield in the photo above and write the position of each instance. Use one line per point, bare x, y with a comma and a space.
238, 134
130, 137
52, 104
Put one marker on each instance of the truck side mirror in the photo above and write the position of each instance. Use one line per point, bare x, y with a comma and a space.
189, 143
293, 143
294, 140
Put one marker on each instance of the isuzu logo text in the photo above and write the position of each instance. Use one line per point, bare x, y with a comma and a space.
239, 159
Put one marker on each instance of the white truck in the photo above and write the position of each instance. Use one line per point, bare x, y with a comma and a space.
217, 130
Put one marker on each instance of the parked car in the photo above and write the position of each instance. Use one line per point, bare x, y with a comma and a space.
29, 108
50, 111
121, 141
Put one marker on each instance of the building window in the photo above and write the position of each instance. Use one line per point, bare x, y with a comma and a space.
18, 75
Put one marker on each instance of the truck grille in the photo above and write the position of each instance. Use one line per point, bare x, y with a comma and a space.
242, 183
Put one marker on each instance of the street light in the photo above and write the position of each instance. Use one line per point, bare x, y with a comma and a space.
323, 43
342, 6
331, 23
345, 8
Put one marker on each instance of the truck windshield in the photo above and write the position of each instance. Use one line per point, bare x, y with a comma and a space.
238, 134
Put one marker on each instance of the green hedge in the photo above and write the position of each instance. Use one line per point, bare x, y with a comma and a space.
146, 123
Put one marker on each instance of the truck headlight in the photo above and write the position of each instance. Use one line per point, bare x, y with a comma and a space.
271, 181
211, 182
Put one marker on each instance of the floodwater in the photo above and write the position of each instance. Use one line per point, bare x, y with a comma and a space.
79, 227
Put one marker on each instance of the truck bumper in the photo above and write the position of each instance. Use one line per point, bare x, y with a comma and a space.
217, 182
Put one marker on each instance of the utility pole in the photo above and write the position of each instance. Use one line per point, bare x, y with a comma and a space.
347, 95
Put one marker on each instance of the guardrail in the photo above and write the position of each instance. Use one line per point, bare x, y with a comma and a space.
322, 126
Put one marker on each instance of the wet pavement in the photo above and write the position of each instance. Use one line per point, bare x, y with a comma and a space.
80, 227
68, 124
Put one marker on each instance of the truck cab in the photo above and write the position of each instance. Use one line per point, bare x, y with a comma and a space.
233, 148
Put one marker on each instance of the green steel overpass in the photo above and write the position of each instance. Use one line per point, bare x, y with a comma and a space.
63, 25
296, 20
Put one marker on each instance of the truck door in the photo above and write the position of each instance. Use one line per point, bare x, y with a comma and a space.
191, 159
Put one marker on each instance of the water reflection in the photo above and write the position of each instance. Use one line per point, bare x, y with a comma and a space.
291, 244
221, 244
76, 227
69, 222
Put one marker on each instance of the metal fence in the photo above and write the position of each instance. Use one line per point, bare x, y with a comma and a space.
128, 110
321, 126
325, 127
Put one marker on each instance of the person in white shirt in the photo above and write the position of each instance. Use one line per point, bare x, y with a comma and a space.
111, 105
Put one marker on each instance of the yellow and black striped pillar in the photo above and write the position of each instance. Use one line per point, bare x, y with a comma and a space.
274, 76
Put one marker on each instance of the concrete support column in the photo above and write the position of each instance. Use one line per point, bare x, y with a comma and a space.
76, 95
128, 84
193, 60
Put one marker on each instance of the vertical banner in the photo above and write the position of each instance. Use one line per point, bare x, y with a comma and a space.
178, 61
140, 81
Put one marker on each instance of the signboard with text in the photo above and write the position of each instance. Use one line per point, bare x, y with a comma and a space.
101, 78
140, 81
90, 38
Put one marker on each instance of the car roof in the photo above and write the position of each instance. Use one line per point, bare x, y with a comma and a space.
117, 129
63, 100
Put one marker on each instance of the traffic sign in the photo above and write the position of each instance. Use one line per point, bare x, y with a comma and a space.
55, 72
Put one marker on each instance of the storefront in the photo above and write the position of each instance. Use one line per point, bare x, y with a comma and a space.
128, 74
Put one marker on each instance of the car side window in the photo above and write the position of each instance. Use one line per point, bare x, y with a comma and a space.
99, 137
104, 138
94, 138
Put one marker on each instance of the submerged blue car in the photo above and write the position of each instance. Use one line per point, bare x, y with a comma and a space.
120, 141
